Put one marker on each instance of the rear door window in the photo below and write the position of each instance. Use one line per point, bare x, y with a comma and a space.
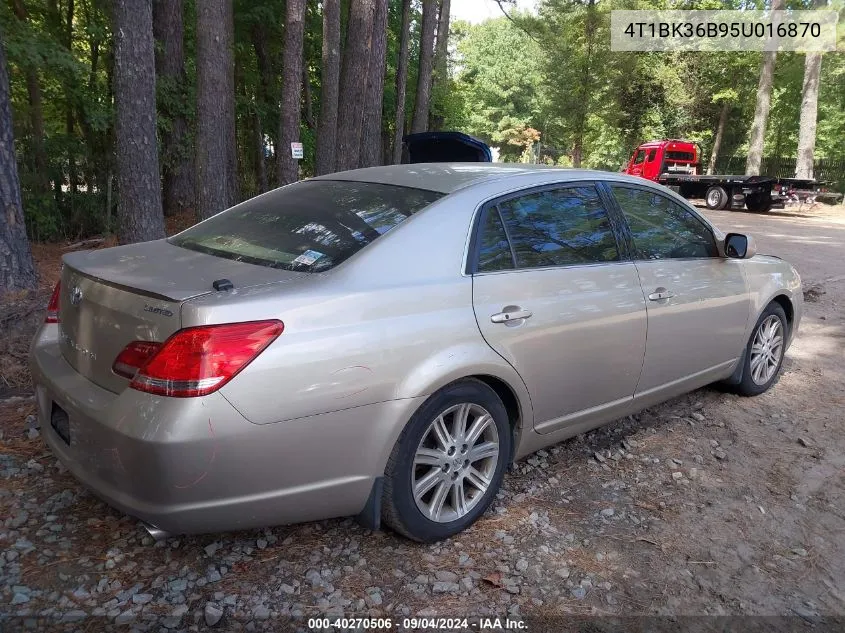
310, 226
494, 251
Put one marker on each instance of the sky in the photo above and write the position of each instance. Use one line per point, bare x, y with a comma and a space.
479, 10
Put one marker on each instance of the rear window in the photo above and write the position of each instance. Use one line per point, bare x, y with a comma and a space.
310, 226
675, 155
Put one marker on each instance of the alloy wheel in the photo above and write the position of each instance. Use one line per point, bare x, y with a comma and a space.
455, 462
766, 350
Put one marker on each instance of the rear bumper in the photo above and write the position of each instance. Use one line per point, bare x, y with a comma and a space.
196, 465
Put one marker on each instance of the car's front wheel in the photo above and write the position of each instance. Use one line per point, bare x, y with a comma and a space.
764, 352
448, 463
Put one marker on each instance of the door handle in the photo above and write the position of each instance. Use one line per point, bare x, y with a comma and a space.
514, 315
661, 293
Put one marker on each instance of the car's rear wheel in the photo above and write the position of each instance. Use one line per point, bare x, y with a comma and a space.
764, 352
716, 198
448, 463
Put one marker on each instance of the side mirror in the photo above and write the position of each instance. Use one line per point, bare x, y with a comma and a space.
739, 246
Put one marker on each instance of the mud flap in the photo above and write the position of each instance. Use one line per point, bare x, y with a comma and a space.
736, 377
370, 516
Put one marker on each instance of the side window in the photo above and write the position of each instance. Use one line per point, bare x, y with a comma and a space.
494, 251
640, 157
661, 228
651, 155
559, 227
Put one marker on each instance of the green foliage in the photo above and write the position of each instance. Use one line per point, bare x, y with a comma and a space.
555, 72
540, 87
495, 92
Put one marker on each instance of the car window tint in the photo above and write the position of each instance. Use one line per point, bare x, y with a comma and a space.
559, 227
661, 228
494, 252
651, 155
310, 226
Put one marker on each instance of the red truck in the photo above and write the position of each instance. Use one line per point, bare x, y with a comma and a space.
676, 164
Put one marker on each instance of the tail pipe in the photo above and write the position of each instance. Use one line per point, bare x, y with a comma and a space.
157, 533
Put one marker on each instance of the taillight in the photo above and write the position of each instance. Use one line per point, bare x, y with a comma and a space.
133, 357
197, 361
52, 315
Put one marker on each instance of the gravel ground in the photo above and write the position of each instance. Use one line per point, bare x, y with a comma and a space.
707, 504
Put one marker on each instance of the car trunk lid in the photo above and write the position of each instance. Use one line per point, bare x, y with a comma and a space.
114, 296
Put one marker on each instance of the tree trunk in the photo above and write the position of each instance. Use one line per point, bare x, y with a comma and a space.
330, 85
578, 152
93, 147
585, 87
352, 88
67, 40
139, 212
216, 167
177, 168
371, 151
291, 111
226, 93
262, 56
307, 99
401, 82
761, 110
441, 60
69, 25
36, 113
419, 123
16, 269
36, 120
717, 142
809, 111
260, 163
258, 35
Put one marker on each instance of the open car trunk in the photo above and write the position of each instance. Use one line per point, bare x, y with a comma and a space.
445, 147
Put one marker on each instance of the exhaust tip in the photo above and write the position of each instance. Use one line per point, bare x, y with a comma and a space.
157, 533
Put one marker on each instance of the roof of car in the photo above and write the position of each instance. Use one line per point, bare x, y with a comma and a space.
450, 177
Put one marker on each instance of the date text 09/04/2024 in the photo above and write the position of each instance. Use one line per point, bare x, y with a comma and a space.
418, 623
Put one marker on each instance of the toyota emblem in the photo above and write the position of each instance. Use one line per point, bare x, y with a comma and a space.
76, 296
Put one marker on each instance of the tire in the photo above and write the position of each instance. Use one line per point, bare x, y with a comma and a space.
754, 381
716, 198
758, 202
427, 520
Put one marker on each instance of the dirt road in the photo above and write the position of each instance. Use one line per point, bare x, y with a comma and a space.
708, 504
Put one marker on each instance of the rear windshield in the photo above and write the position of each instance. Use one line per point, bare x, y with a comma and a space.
310, 226
680, 156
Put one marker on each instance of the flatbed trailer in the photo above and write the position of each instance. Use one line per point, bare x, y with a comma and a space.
675, 163
757, 193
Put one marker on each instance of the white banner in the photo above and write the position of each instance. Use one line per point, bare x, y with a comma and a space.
802, 31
